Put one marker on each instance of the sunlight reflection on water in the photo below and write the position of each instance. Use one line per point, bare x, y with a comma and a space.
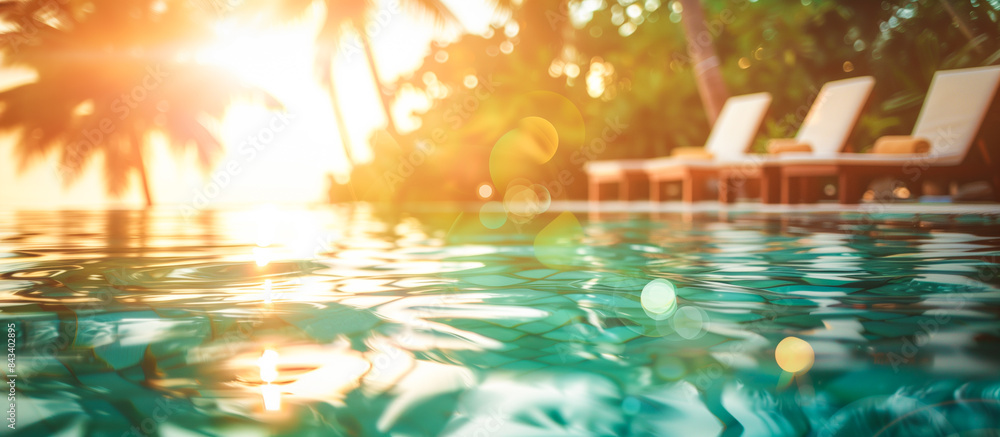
362, 322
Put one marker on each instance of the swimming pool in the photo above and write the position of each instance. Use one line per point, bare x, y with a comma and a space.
353, 321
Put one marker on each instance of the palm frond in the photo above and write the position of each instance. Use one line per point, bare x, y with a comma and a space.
102, 92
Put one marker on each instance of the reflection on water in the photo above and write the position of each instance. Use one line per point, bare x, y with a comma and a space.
271, 394
339, 322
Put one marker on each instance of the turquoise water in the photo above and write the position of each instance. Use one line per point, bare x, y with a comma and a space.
349, 321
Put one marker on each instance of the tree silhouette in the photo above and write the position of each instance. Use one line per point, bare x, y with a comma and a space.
107, 75
342, 19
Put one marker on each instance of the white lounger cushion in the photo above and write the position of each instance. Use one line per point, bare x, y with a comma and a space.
827, 125
832, 116
951, 116
732, 134
921, 159
673, 161
614, 166
954, 109
737, 125
830, 120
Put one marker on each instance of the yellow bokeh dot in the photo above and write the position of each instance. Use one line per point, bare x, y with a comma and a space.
470, 81
848, 66
794, 355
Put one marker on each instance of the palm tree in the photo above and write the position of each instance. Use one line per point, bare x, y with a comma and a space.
340, 18
108, 75
711, 88
342, 15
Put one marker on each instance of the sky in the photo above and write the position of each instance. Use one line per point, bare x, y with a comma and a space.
298, 148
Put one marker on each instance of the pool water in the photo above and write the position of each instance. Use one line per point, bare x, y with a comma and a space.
355, 321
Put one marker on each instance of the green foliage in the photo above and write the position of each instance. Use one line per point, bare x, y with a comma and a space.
789, 49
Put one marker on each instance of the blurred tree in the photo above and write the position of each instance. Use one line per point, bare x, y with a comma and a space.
629, 63
343, 19
617, 77
345, 15
699, 35
108, 75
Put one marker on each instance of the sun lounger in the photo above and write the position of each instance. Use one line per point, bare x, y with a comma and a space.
732, 134
948, 124
824, 131
731, 137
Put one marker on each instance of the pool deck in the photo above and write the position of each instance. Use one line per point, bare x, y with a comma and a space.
756, 207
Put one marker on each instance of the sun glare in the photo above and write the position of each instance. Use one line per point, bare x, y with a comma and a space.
280, 62
265, 58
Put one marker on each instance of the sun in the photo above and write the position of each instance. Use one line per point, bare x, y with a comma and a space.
274, 59
280, 61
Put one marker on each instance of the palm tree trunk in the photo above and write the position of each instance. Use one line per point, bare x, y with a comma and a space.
962, 26
338, 115
707, 75
137, 143
391, 125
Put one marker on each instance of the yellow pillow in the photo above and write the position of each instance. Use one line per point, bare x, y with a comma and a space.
781, 145
901, 144
691, 152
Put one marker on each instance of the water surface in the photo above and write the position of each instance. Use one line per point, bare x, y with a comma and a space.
349, 321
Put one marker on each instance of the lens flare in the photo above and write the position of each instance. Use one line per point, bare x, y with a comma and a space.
794, 355
485, 191
492, 215
521, 202
556, 244
533, 142
689, 322
659, 297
